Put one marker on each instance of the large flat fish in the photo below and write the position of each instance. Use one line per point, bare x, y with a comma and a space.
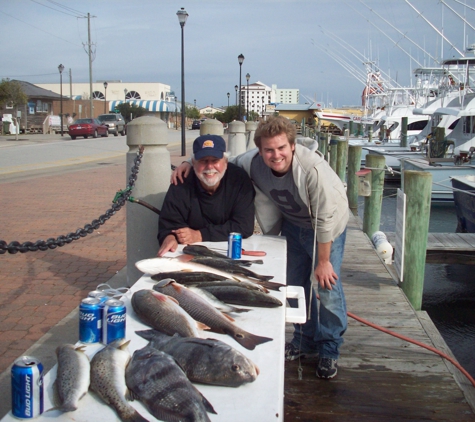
201, 250
202, 311
182, 263
206, 361
72, 378
158, 382
164, 314
242, 297
108, 379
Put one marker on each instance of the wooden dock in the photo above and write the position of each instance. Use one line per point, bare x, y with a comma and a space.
380, 377
447, 248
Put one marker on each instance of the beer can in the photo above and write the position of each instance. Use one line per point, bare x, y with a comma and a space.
113, 327
98, 294
234, 245
27, 387
90, 320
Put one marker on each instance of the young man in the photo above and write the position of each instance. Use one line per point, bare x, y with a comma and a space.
301, 197
217, 198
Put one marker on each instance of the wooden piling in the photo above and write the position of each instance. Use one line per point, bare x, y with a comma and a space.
323, 144
334, 151
417, 187
342, 159
373, 203
354, 165
404, 131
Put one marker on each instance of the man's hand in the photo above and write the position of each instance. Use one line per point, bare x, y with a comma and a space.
169, 244
186, 236
325, 275
180, 173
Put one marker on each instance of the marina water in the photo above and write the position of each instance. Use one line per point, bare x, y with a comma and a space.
449, 290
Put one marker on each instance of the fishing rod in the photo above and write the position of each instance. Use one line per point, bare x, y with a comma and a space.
400, 32
435, 29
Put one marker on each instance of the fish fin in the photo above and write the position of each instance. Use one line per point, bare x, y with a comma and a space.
207, 405
228, 317
162, 297
164, 282
248, 340
124, 345
81, 349
202, 326
272, 285
184, 258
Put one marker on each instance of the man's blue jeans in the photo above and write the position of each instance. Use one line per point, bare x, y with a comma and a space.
323, 332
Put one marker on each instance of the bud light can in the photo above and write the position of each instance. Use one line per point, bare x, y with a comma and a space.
27, 388
99, 294
234, 245
90, 320
113, 327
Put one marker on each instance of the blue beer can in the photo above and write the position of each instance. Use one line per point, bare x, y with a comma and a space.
113, 327
234, 245
90, 320
98, 294
27, 387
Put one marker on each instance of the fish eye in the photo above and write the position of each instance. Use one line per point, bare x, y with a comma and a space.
235, 367
239, 335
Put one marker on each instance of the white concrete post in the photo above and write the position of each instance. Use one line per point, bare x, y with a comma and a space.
211, 127
251, 130
236, 138
151, 186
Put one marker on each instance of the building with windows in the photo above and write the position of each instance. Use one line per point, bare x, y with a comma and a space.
262, 99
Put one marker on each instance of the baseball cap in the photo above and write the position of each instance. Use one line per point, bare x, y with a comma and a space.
209, 145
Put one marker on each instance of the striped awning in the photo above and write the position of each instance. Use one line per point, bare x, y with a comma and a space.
150, 105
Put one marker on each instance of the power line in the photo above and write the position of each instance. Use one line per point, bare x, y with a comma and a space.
66, 7
52, 8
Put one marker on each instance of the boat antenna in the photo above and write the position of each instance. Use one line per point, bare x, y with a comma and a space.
435, 29
460, 16
400, 32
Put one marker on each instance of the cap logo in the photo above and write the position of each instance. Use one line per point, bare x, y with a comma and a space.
208, 144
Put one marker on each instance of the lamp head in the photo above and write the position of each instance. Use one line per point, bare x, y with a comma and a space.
60, 68
182, 16
248, 77
240, 59
105, 85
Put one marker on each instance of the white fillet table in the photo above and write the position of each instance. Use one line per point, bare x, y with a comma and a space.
261, 400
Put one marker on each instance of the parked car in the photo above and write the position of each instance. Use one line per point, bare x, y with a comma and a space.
196, 124
88, 127
115, 122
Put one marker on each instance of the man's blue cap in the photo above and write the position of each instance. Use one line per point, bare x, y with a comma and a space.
209, 145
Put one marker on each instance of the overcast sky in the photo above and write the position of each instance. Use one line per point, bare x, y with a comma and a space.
285, 42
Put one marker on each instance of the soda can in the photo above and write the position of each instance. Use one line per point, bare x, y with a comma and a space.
90, 320
113, 327
234, 245
27, 387
98, 294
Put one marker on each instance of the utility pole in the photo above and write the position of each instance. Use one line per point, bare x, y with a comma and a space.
90, 62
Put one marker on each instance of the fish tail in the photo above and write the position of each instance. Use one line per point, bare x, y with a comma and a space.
250, 341
133, 417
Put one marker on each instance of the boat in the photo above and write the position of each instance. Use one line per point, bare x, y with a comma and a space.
464, 200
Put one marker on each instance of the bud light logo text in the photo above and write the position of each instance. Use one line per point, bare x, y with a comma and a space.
87, 316
115, 318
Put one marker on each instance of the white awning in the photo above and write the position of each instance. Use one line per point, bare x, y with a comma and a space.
150, 105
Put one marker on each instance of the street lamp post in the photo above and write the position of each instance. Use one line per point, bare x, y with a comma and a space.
61, 68
247, 78
235, 88
182, 16
240, 60
228, 94
105, 97
125, 95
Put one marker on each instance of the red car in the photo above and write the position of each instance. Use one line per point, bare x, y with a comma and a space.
88, 127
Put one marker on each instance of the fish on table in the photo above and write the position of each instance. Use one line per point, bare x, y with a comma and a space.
202, 311
165, 314
108, 379
217, 303
206, 361
183, 263
201, 250
243, 297
72, 377
161, 385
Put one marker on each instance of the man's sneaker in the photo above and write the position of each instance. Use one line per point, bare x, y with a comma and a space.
327, 368
293, 352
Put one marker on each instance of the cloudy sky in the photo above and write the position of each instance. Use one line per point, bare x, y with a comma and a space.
317, 46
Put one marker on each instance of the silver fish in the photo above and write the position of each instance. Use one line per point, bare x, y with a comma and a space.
207, 361
242, 297
218, 304
164, 314
182, 263
158, 382
72, 379
202, 311
108, 379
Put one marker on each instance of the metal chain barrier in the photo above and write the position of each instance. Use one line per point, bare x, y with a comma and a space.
118, 202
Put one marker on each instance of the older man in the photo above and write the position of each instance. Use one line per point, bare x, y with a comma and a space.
217, 198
